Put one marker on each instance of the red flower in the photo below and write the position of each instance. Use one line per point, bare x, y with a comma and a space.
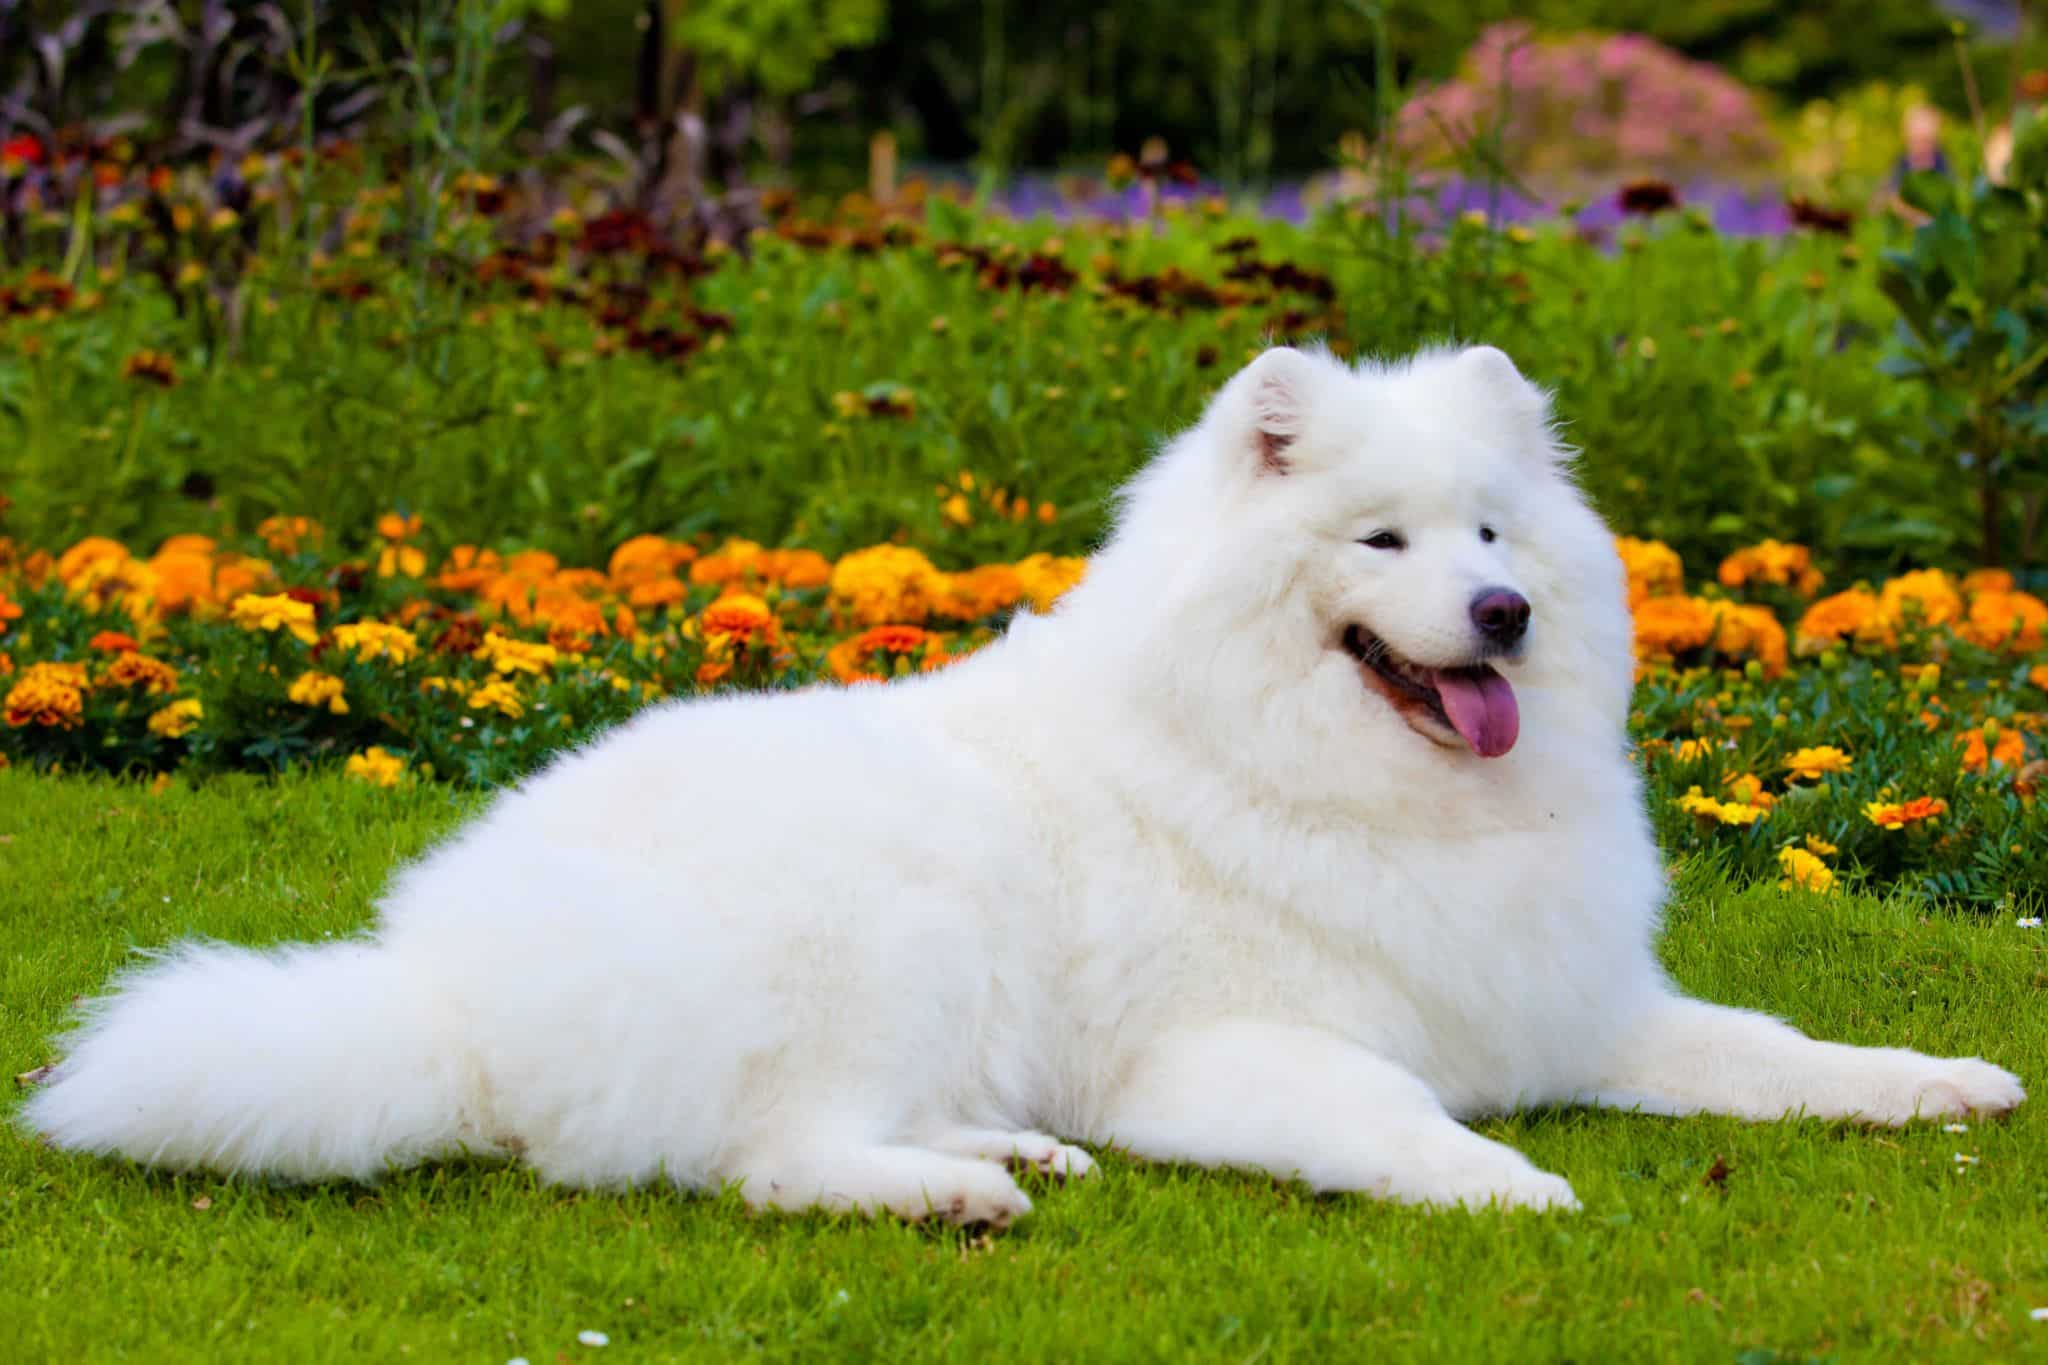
24, 149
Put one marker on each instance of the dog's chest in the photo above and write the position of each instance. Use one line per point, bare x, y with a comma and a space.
1494, 965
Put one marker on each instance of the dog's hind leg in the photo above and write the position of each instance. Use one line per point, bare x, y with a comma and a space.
913, 1183
1024, 1150
1298, 1103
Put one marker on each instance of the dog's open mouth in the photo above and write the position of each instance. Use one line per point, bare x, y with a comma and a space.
1474, 702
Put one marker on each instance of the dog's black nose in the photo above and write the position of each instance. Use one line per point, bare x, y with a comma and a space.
1502, 615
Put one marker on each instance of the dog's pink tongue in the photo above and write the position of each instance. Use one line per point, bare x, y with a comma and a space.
1482, 708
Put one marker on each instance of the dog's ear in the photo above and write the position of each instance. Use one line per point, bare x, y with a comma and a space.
1275, 389
1489, 370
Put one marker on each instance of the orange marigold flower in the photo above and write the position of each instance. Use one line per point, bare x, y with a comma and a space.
861, 658
9, 611
740, 619
285, 535
46, 694
131, 670
468, 569
2000, 619
2038, 676
1666, 627
396, 527
113, 642
534, 564
657, 592
1751, 632
976, 593
1987, 580
647, 557
1774, 562
1926, 595
1653, 568
796, 568
731, 562
1899, 814
1856, 614
2005, 745
83, 558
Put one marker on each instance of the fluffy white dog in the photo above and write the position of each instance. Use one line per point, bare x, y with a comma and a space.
1301, 831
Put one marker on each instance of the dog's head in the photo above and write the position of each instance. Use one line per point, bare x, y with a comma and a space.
1401, 545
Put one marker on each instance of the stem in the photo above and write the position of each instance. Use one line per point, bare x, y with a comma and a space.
1991, 551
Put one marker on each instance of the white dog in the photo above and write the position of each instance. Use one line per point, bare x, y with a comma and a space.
1299, 832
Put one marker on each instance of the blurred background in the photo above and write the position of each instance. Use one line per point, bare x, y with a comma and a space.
1029, 99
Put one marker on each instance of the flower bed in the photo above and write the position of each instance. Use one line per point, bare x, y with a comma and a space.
1887, 734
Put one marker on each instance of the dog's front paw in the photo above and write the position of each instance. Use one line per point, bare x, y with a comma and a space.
1955, 1086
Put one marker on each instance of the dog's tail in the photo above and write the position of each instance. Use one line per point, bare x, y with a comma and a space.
305, 1062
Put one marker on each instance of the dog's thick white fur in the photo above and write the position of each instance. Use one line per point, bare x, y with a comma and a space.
1185, 867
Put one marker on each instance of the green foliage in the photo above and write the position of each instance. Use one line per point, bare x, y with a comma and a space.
776, 44
1969, 292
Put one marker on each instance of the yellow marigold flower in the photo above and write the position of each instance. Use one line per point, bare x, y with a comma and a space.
1820, 847
369, 640
1805, 872
1654, 568
1857, 615
2007, 747
887, 584
279, 612
1817, 762
47, 694
1708, 811
1047, 578
1666, 627
1748, 790
377, 766
500, 696
458, 686
316, 689
132, 670
1926, 595
2005, 620
1691, 750
1774, 562
178, 719
507, 655
401, 561
956, 510
1899, 814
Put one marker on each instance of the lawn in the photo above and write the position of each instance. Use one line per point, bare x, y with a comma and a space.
1703, 1239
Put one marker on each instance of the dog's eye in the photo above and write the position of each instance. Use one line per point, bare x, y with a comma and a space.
1487, 534
1385, 540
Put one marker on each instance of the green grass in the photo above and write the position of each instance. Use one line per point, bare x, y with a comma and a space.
1822, 1241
